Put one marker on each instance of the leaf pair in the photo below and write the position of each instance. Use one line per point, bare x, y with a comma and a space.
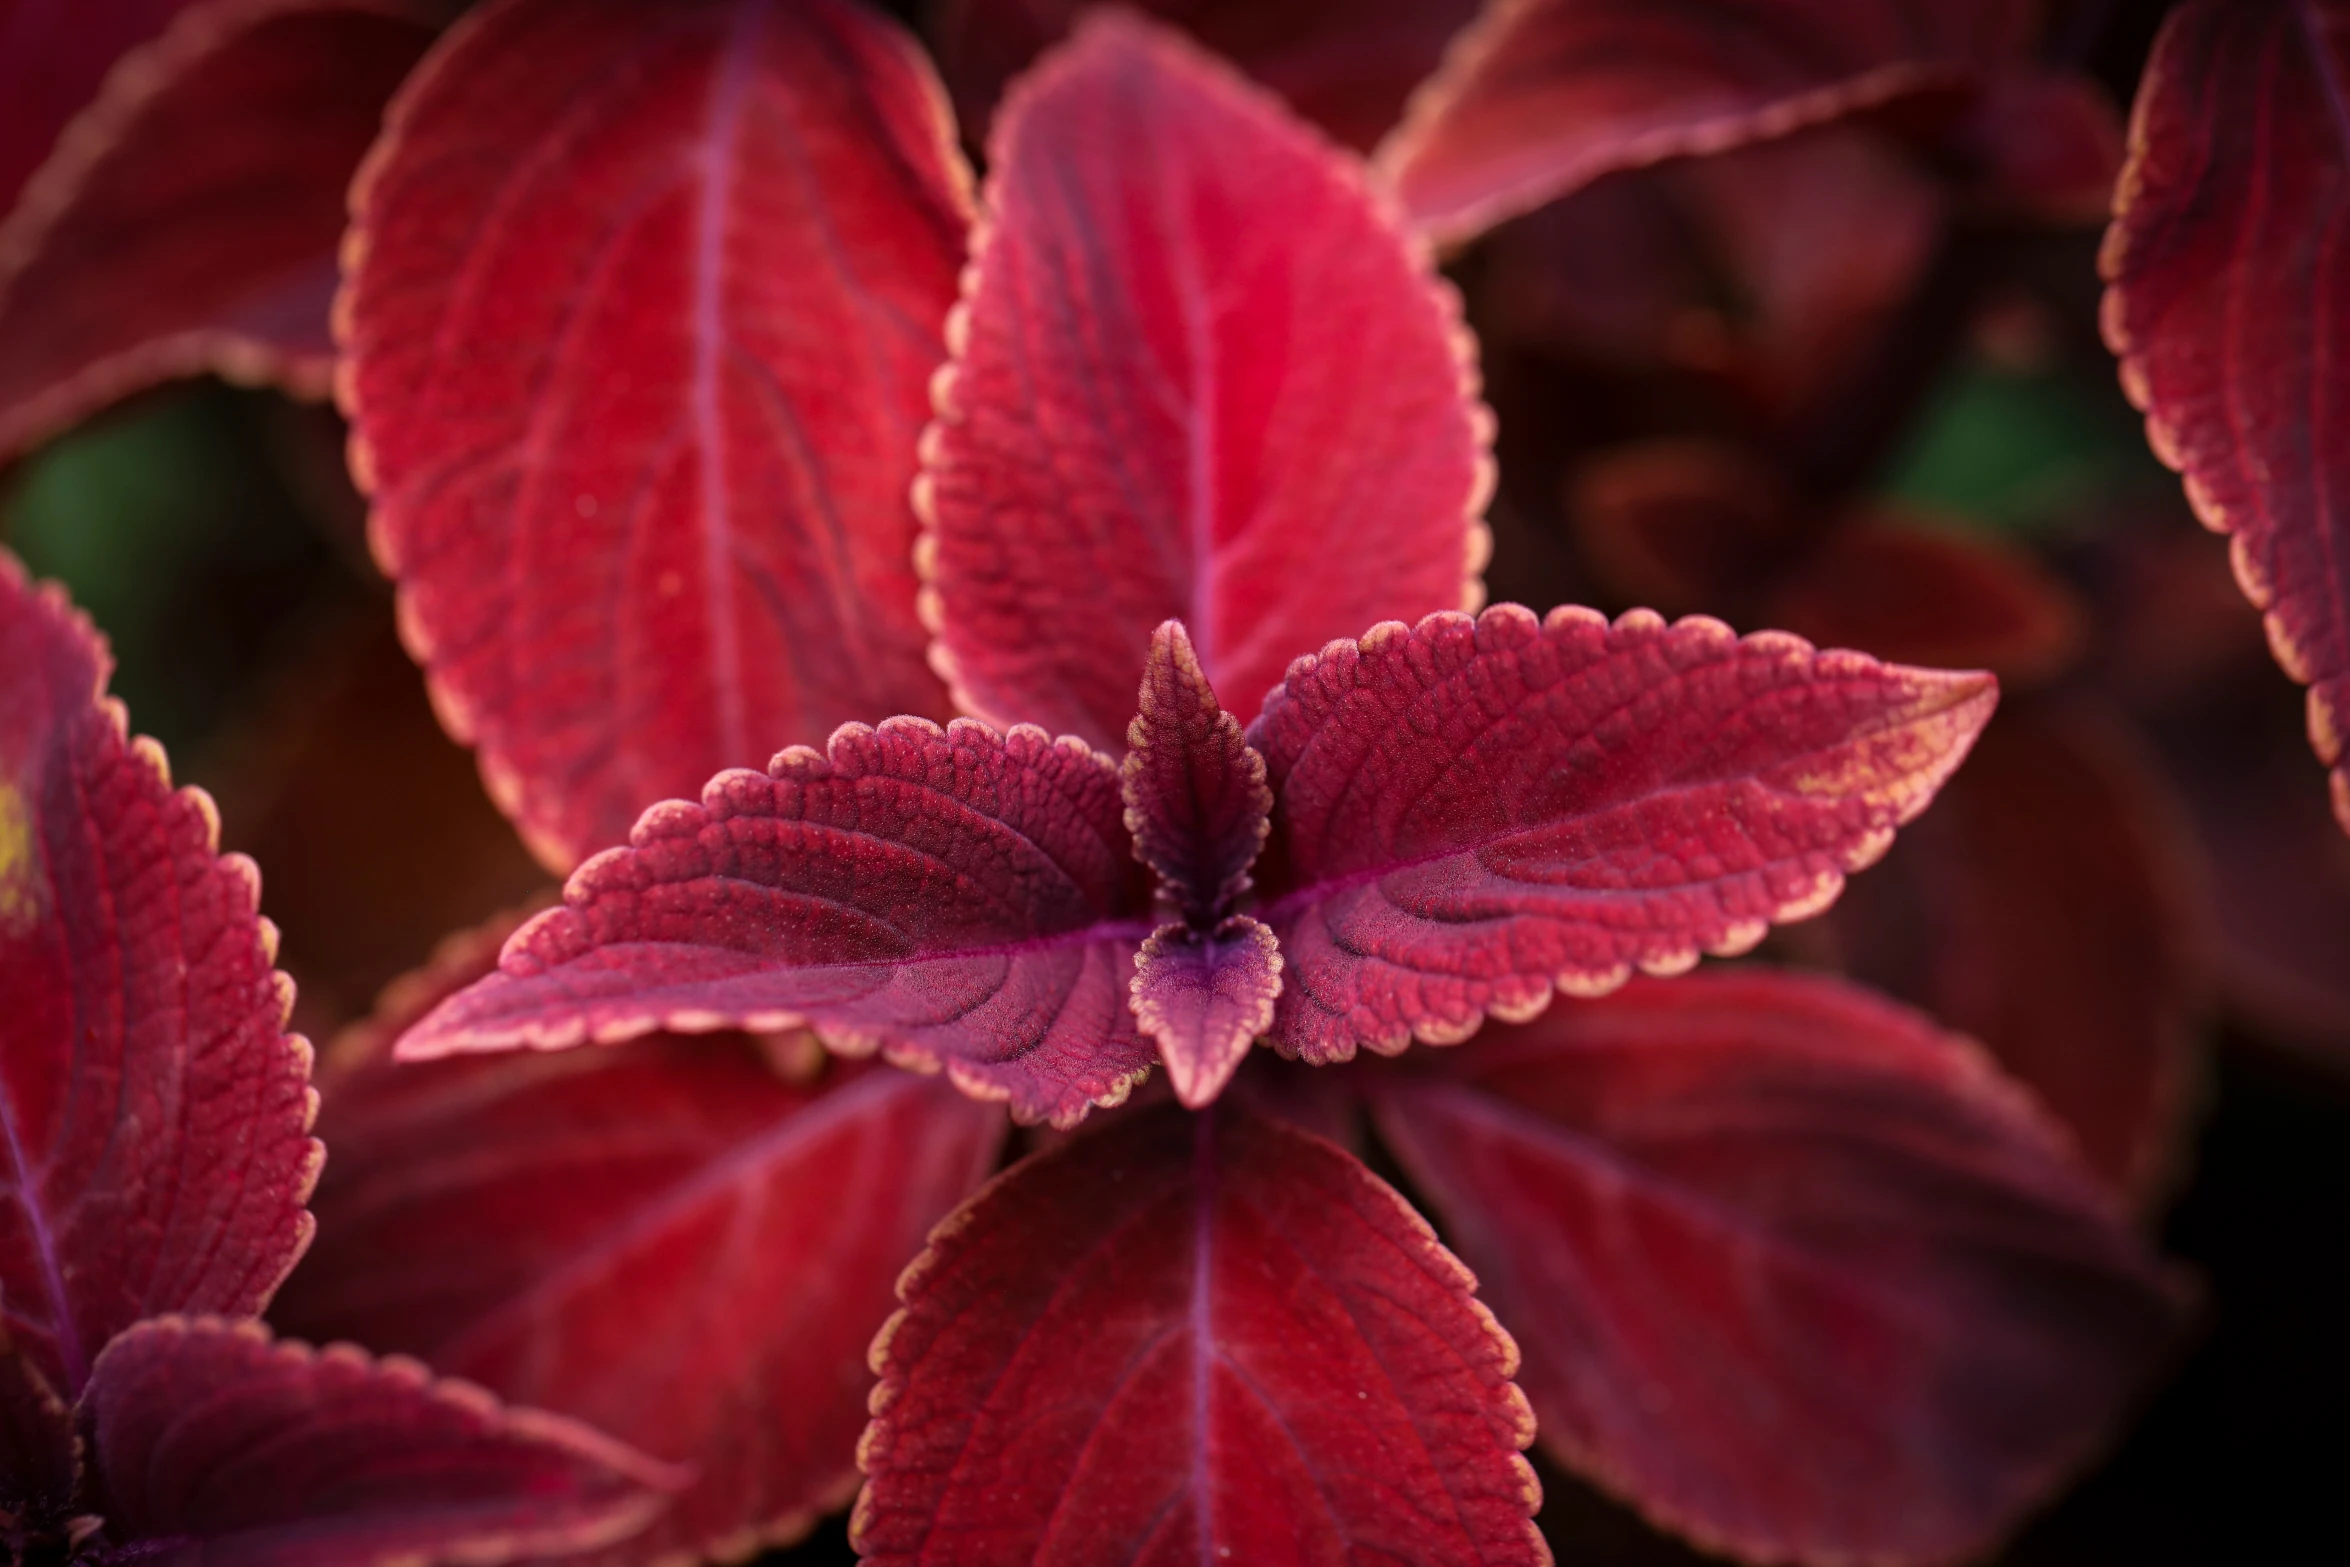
158, 1158
1791, 1269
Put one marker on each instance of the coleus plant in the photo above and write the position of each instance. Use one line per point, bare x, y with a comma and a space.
1177, 395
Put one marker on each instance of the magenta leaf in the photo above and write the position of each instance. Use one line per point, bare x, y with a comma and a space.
1199, 375
2226, 306
645, 302
1193, 1338
1473, 812
1205, 995
154, 1114
1795, 1272
956, 898
663, 1239
1196, 799
52, 59
1347, 65
210, 1445
1540, 97
190, 219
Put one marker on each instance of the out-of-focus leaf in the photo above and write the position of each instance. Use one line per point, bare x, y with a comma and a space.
1794, 1271
190, 220
2226, 304
52, 59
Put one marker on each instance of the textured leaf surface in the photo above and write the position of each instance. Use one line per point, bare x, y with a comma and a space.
1347, 65
212, 1445
2046, 910
1194, 1338
2226, 307
664, 1240
155, 1113
1196, 799
1541, 96
1205, 995
191, 220
52, 59
1794, 1271
1472, 812
955, 897
1200, 376
645, 302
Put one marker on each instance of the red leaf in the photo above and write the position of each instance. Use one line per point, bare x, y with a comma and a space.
1196, 799
1199, 376
1539, 97
645, 301
211, 1444
1193, 1338
190, 219
957, 898
52, 59
627, 1236
2046, 910
1205, 996
1475, 811
157, 1115
2224, 310
1347, 65
1795, 1272
2047, 144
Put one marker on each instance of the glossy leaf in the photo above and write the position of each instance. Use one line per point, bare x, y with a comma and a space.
953, 897
1471, 813
644, 303
157, 1115
209, 1444
1205, 995
1199, 376
2225, 308
1347, 65
2047, 909
52, 60
1540, 97
663, 1239
191, 219
1196, 799
1193, 1338
1795, 1272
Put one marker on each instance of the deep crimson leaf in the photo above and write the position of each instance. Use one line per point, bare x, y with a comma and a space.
190, 220
955, 897
1200, 376
211, 1445
2046, 910
2225, 307
1472, 813
1925, 594
1687, 526
1796, 1272
1194, 1338
52, 59
1347, 65
140, 1000
645, 302
663, 1239
1195, 793
1205, 995
1539, 97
